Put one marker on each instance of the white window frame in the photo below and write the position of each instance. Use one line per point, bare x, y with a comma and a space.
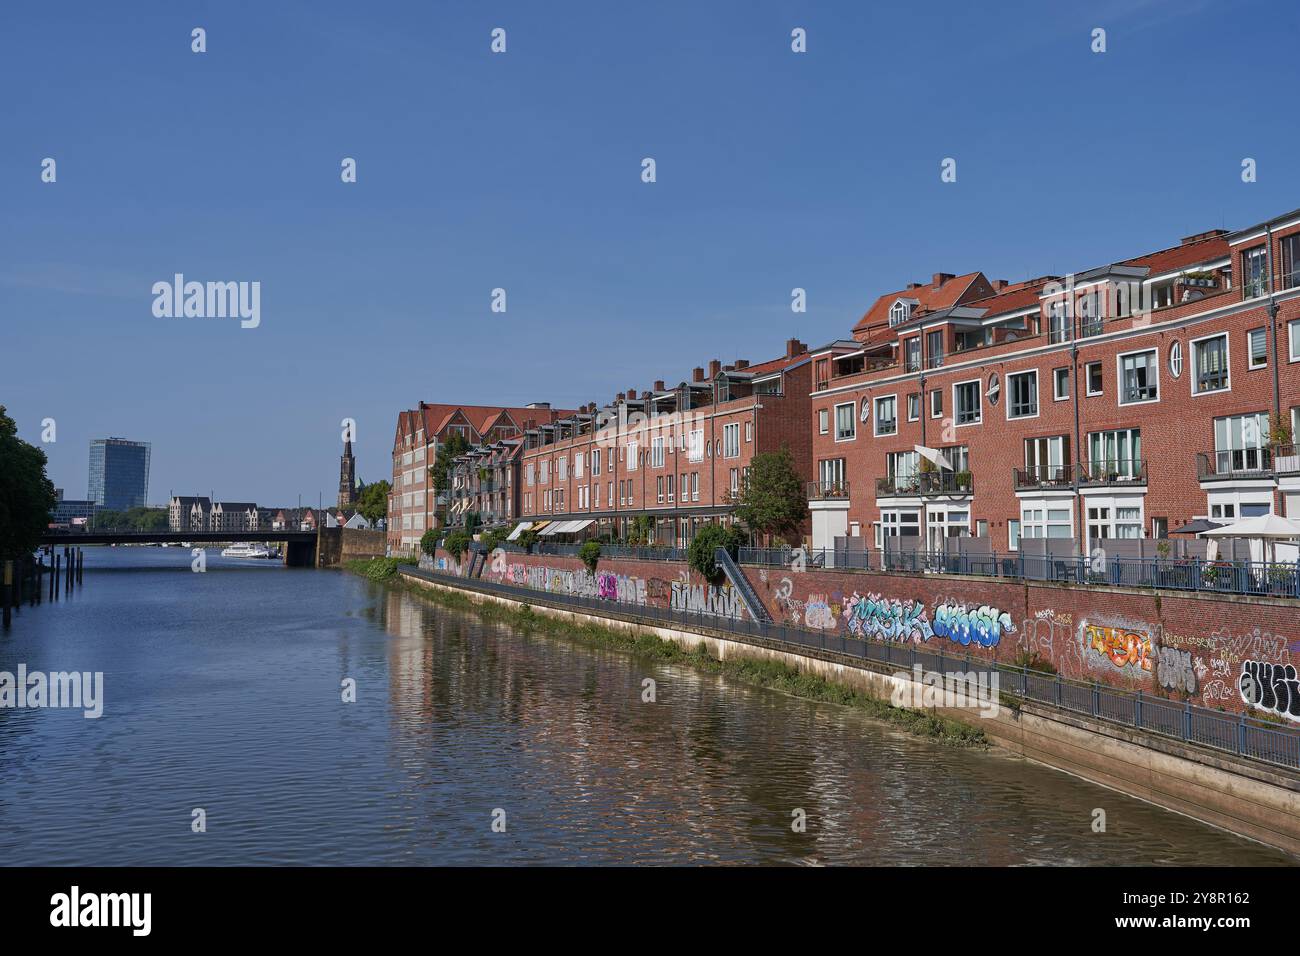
1010, 395
823, 421
1293, 340
1087, 379
979, 393
695, 445
914, 416
1250, 352
657, 452
1056, 396
731, 440
1119, 376
853, 421
875, 414
1227, 359
633, 455
1175, 359
933, 393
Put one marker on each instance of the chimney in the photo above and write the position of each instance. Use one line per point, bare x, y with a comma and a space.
697, 374
645, 394
1209, 234
913, 285
728, 368
939, 278
1000, 284
714, 368
742, 364
659, 385
794, 347
619, 397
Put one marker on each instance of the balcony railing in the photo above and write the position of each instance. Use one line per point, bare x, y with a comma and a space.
1043, 476
825, 490
1286, 459
946, 483
1113, 471
895, 485
1235, 463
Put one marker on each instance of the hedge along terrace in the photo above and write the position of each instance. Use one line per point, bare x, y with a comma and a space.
1229, 652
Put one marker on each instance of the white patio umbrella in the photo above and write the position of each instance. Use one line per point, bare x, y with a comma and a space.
933, 455
1269, 529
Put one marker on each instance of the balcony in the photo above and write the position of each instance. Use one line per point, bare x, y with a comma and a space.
892, 486
1286, 459
1237, 463
827, 490
1113, 471
946, 483
1043, 476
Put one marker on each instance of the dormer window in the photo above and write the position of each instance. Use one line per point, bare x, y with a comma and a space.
899, 313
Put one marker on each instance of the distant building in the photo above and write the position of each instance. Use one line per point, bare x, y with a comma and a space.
119, 473
189, 514
233, 516
71, 511
347, 476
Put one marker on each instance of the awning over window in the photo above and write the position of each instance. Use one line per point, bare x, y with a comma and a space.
519, 529
579, 525
554, 527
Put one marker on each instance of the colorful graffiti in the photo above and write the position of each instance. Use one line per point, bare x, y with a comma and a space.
818, 613
887, 619
984, 625
1129, 649
1272, 688
607, 586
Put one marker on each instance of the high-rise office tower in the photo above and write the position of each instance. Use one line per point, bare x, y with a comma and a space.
119, 473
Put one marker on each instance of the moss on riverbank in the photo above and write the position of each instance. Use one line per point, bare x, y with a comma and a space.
376, 569
770, 674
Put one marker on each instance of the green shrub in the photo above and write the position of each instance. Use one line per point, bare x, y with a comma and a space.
527, 539
700, 555
457, 543
429, 542
590, 554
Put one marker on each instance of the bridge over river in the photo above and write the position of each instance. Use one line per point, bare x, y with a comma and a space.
300, 547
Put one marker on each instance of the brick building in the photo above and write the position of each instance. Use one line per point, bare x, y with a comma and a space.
676, 454
413, 506
1120, 402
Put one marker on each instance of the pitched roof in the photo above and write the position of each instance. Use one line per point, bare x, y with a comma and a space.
928, 297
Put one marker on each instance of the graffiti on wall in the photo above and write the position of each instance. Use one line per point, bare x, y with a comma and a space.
623, 588
1272, 688
984, 625
1128, 649
819, 612
720, 601
887, 619
1049, 635
1176, 670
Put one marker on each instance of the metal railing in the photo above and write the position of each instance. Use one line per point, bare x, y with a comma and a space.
925, 483
1233, 463
1230, 733
1113, 471
1259, 578
821, 490
1043, 476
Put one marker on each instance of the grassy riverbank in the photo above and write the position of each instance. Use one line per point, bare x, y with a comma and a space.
770, 674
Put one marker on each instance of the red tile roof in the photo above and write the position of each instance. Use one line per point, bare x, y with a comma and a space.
929, 298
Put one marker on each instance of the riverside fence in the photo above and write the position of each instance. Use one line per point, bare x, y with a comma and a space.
1236, 734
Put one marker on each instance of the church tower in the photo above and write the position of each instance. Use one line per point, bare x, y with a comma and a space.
347, 477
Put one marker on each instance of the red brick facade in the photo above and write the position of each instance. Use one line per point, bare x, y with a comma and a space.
1066, 407
675, 454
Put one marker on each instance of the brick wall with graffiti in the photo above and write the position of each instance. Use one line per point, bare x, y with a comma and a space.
655, 583
1232, 653
1237, 654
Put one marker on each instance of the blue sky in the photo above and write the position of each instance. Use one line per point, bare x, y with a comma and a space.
522, 171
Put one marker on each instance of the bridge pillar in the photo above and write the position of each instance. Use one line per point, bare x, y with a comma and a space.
300, 554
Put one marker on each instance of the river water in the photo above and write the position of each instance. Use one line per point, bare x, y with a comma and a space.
222, 692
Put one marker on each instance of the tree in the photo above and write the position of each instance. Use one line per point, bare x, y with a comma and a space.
429, 542
457, 543
448, 451
773, 501
373, 503
26, 494
590, 554
701, 554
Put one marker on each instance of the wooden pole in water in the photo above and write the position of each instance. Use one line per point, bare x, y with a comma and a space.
54, 580
8, 585
81, 559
